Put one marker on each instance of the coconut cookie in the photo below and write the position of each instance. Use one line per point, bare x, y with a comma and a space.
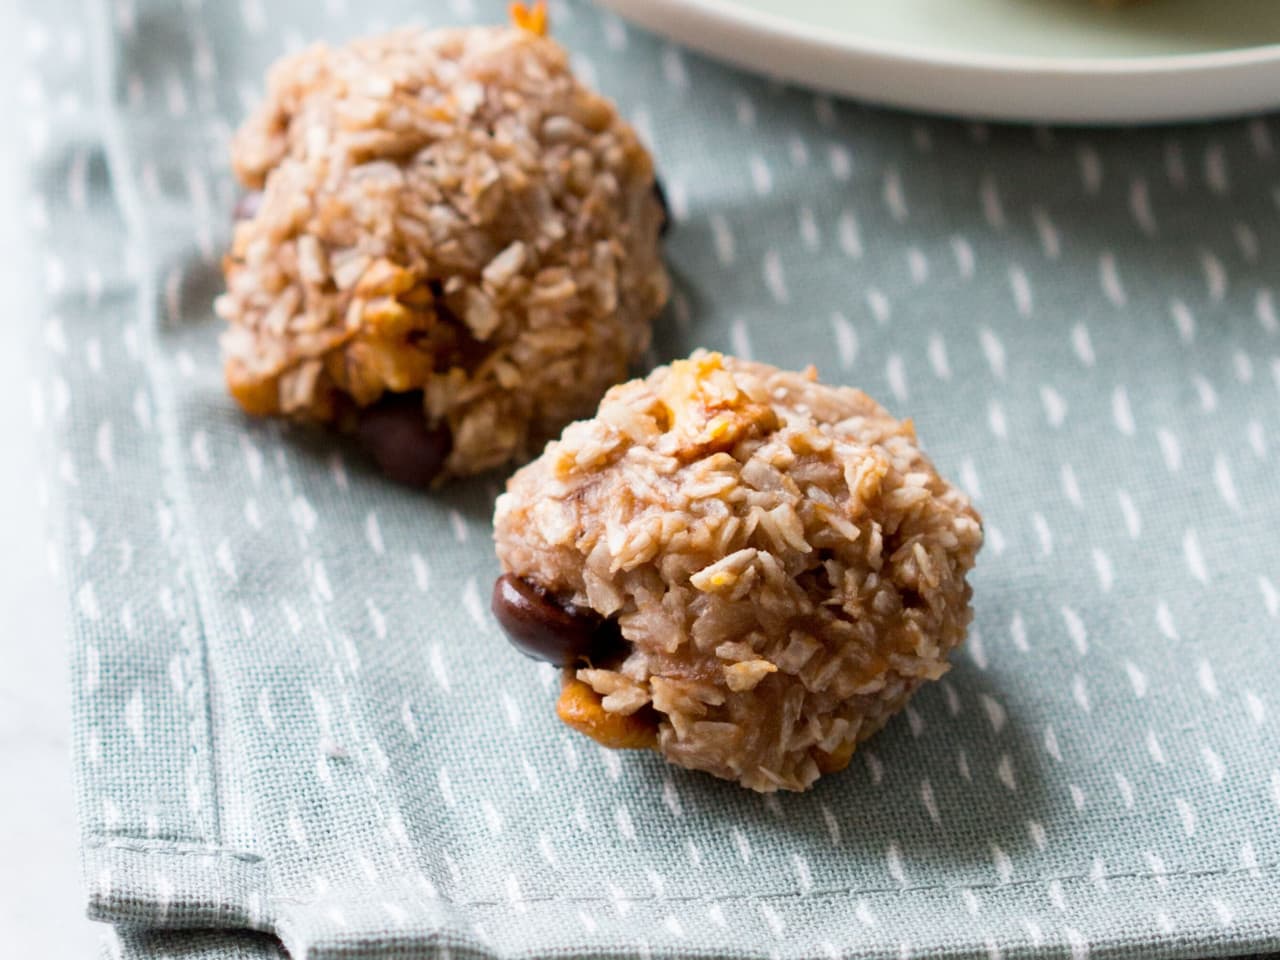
736, 566
450, 246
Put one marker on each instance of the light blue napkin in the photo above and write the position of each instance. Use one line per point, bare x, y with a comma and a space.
294, 716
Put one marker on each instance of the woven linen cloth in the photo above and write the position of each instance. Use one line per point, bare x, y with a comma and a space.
295, 716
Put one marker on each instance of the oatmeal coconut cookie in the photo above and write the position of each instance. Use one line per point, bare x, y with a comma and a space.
736, 566
449, 245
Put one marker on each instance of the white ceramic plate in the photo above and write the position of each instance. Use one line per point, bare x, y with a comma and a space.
1062, 61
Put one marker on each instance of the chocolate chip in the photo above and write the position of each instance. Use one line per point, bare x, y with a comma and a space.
396, 434
247, 206
545, 628
661, 196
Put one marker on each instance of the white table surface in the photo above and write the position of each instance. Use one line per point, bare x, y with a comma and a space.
41, 912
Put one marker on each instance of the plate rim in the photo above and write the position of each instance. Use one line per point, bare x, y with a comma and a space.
728, 13
987, 84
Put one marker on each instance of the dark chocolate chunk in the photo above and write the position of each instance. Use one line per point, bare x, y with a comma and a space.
661, 196
247, 206
394, 431
545, 628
